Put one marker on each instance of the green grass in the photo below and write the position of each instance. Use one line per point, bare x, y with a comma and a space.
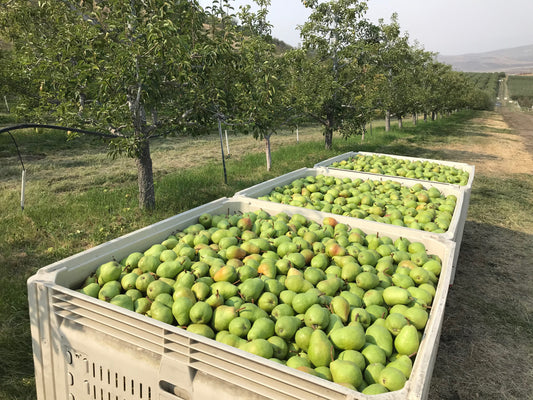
91, 199
521, 89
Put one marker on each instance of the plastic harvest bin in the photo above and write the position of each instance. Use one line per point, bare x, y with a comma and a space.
455, 230
345, 156
85, 348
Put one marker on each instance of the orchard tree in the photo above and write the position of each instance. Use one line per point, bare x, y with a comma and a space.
334, 82
114, 66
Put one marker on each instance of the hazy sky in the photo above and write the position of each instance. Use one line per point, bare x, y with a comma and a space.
449, 27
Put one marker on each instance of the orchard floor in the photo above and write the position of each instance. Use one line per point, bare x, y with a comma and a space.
486, 349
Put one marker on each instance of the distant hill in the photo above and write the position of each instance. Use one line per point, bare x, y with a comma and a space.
516, 60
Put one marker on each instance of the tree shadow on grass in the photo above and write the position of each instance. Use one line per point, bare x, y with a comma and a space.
485, 344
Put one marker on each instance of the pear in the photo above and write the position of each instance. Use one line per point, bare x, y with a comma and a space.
110, 271
157, 287
407, 341
373, 297
281, 310
180, 309
353, 299
169, 269
393, 295
161, 312
165, 298
330, 286
201, 329
279, 347
92, 289
402, 363
200, 313
252, 312
343, 371
134, 294
260, 347
131, 262
225, 289
314, 275
109, 290
123, 300
392, 378
380, 335
262, 328
340, 306
302, 301
149, 263
402, 280
286, 326
350, 337
395, 322
324, 373
360, 315
142, 305
353, 356
372, 371
302, 337
239, 326
367, 280
374, 354
317, 316
417, 316
182, 291
335, 322
185, 278
320, 349
226, 273
297, 283
222, 316
251, 289
297, 361
375, 388
128, 280
420, 296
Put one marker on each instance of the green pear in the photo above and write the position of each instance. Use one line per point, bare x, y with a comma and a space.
180, 309
225, 289
183, 291
420, 296
380, 335
201, 329
142, 305
252, 312
161, 312
340, 306
131, 262
395, 322
403, 363
373, 297
262, 328
353, 356
200, 313
360, 315
298, 361
335, 322
417, 316
374, 354
142, 282
156, 287
128, 280
314, 275
123, 300
367, 280
281, 310
351, 337
302, 337
343, 371
287, 296
109, 290
330, 286
297, 283
267, 301
317, 316
393, 295
407, 341
222, 317
110, 271
165, 298
302, 301
375, 388
215, 300
286, 326
239, 326
260, 347
251, 289
169, 269
201, 290
92, 289
353, 299
279, 347
372, 371
134, 294
149, 263
185, 278
320, 349
392, 378
324, 373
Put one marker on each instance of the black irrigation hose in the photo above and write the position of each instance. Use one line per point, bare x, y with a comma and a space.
25, 126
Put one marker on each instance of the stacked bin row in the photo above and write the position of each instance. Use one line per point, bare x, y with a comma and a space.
87, 348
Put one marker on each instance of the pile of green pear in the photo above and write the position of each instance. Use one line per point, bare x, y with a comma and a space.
322, 298
386, 165
383, 201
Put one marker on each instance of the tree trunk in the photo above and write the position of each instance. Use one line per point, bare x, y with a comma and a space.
267, 152
415, 118
145, 177
425, 116
328, 137
387, 120
400, 122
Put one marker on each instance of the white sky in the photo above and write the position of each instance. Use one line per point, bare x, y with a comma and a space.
448, 27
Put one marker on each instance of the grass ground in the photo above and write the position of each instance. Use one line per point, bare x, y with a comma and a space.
76, 198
